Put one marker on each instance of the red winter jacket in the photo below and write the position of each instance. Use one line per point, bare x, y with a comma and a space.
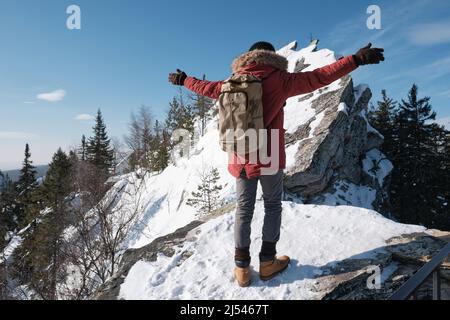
278, 86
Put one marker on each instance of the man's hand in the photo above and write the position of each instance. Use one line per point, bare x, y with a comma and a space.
177, 78
369, 55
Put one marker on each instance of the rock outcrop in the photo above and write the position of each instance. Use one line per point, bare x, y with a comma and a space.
331, 144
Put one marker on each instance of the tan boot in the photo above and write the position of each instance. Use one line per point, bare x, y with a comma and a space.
243, 276
268, 270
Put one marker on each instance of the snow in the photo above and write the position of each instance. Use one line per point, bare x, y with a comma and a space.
9, 249
291, 151
12, 245
299, 110
347, 193
297, 113
342, 107
377, 165
314, 124
314, 236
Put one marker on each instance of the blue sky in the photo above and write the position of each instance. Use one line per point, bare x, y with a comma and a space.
120, 58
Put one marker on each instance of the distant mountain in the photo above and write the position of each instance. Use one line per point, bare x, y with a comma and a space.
14, 174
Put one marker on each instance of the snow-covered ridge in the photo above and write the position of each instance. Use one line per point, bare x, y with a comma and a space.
316, 237
163, 196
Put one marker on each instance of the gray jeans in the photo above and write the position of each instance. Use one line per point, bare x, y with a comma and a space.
272, 187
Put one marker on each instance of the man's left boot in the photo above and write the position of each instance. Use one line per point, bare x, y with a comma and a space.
270, 269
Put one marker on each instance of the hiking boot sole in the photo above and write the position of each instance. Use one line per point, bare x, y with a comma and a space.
244, 285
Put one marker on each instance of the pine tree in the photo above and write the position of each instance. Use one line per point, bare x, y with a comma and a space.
382, 119
2, 181
444, 180
41, 254
179, 116
446, 163
99, 152
414, 177
73, 157
207, 197
26, 185
201, 108
8, 204
83, 148
164, 151
159, 148
57, 183
173, 115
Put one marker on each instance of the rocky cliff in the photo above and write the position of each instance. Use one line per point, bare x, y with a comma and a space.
334, 146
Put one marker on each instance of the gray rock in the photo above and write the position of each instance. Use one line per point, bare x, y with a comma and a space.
336, 148
300, 65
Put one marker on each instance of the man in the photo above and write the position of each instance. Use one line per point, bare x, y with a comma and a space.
278, 85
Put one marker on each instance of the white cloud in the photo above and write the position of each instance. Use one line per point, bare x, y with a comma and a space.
28, 102
438, 68
84, 117
445, 93
17, 135
53, 96
430, 34
444, 122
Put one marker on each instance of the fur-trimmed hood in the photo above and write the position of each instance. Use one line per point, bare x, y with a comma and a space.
260, 57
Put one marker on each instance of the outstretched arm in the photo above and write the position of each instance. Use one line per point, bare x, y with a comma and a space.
206, 88
304, 82
202, 87
295, 84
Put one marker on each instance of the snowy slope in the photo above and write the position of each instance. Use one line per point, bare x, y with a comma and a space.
314, 237
163, 196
